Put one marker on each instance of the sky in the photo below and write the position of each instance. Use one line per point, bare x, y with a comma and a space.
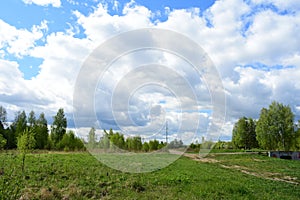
254, 46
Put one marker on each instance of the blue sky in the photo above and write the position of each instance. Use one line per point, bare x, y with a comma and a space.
24, 16
254, 45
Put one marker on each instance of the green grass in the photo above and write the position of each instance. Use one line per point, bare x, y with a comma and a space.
137, 162
81, 176
263, 165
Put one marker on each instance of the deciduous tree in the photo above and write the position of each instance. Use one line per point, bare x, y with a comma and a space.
275, 127
243, 134
31, 119
26, 143
41, 132
20, 123
3, 115
59, 126
2, 142
92, 138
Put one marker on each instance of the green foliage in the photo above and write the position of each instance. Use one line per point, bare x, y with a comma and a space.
49, 145
11, 139
146, 147
92, 138
59, 127
2, 122
40, 129
134, 143
117, 140
162, 145
153, 145
207, 145
104, 142
26, 143
31, 119
2, 142
297, 136
219, 147
194, 147
112, 141
15, 135
20, 123
223, 145
275, 127
2, 129
3, 114
244, 135
17, 128
176, 144
70, 142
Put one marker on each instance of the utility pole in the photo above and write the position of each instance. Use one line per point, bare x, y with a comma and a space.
167, 132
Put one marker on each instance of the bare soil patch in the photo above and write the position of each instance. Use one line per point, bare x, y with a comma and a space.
245, 170
201, 159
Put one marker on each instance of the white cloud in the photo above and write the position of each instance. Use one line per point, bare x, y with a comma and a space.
272, 37
11, 78
17, 93
237, 36
19, 42
238, 39
226, 130
73, 2
54, 3
63, 56
218, 31
282, 5
100, 25
256, 89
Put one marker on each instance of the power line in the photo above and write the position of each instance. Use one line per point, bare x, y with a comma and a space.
167, 132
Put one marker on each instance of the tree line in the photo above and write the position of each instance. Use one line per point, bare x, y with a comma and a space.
116, 141
31, 131
274, 130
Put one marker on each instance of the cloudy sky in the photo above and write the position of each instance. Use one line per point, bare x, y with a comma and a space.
253, 44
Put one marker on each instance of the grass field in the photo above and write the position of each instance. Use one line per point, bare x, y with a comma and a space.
81, 176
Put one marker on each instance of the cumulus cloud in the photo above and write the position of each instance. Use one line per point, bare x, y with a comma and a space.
54, 3
281, 5
63, 56
100, 25
272, 37
254, 47
17, 93
19, 42
52, 88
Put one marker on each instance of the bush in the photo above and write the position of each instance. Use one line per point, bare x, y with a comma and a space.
70, 142
2, 142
